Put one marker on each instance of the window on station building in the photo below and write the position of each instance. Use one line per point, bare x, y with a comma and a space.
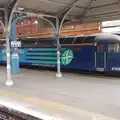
113, 47
100, 47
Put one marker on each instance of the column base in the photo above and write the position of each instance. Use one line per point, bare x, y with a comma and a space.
9, 83
58, 75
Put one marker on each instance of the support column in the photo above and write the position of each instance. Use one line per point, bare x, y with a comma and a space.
58, 74
13, 31
14, 57
7, 36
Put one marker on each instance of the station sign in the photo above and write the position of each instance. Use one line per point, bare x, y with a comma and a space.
15, 44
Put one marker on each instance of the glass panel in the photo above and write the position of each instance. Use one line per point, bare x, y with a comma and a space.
62, 40
37, 42
69, 41
89, 39
78, 40
100, 47
113, 47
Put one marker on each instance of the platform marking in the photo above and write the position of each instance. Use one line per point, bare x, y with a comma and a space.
52, 104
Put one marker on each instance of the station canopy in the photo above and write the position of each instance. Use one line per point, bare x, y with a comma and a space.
79, 10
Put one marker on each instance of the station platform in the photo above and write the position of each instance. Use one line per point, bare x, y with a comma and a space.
72, 97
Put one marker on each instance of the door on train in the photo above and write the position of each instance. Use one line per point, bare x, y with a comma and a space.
100, 57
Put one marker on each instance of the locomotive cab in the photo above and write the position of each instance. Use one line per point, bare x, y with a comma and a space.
107, 55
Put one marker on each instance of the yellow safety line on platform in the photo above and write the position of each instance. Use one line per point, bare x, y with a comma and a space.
52, 104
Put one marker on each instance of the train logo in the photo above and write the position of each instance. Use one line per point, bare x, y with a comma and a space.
67, 57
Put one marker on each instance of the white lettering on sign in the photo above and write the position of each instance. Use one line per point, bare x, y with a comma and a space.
15, 44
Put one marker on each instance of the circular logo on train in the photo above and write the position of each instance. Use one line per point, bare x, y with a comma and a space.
67, 57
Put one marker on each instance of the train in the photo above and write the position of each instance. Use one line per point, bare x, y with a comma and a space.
90, 52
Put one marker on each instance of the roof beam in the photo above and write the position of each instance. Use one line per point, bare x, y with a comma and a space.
65, 12
62, 4
54, 2
73, 4
105, 5
34, 11
100, 17
1, 7
87, 8
35, 14
103, 14
12, 7
118, 1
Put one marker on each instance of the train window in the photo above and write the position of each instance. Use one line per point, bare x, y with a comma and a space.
37, 42
79, 40
62, 40
100, 47
69, 40
113, 47
89, 39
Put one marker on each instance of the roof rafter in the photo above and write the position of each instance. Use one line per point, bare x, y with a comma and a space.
54, 2
32, 13
99, 17
2, 7
62, 4
116, 3
66, 11
87, 8
67, 8
12, 7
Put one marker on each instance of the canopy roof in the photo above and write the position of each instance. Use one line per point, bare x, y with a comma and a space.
81, 10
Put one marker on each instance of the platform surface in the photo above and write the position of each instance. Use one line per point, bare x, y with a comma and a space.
72, 97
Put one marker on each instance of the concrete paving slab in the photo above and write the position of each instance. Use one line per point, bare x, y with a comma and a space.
72, 97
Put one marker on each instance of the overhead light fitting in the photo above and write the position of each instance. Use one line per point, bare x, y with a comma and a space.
36, 22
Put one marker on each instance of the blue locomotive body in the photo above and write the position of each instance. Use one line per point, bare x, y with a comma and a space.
72, 57
80, 53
